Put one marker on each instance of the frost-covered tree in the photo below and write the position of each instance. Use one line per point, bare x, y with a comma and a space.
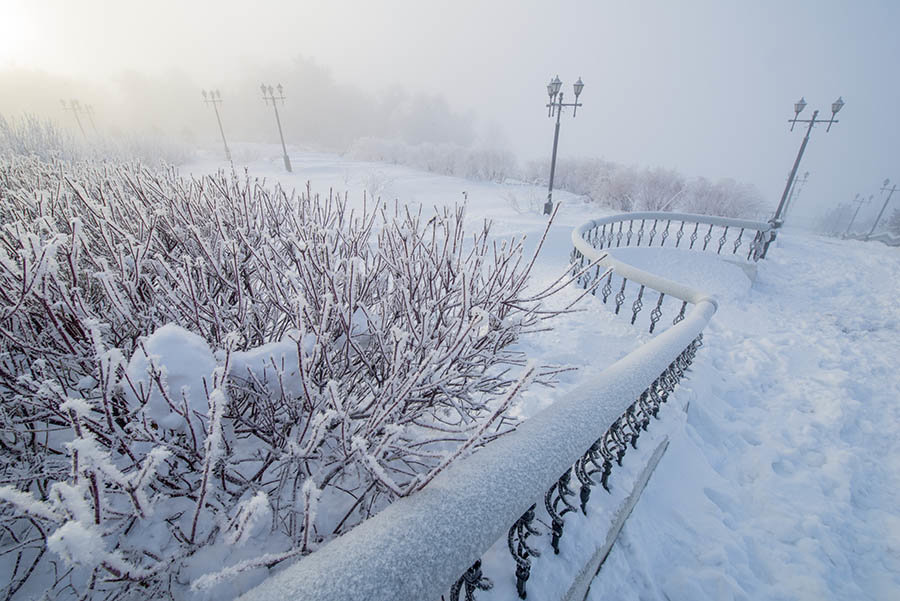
725, 197
893, 224
624, 188
476, 163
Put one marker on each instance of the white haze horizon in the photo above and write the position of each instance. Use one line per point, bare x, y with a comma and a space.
702, 87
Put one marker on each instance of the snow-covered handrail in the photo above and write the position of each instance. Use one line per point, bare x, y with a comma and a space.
649, 229
643, 229
418, 546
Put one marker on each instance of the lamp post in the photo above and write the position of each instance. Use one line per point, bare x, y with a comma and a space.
836, 106
859, 204
555, 107
890, 192
76, 108
214, 97
795, 192
89, 111
268, 94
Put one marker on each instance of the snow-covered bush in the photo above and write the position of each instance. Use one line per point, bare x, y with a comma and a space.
29, 135
200, 378
893, 224
624, 188
482, 164
725, 197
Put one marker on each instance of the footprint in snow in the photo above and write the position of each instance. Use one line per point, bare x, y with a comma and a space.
783, 467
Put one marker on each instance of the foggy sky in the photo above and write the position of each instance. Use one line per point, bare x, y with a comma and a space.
701, 86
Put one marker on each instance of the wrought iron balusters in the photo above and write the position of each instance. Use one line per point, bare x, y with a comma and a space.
707, 237
607, 287
656, 313
552, 503
620, 296
737, 242
471, 580
517, 541
637, 305
722, 240
694, 235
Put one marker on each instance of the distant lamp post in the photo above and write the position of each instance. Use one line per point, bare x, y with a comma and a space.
76, 109
555, 107
890, 191
859, 204
795, 192
89, 111
214, 97
836, 106
268, 94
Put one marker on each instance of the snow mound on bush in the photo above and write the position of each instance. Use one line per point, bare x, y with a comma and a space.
184, 361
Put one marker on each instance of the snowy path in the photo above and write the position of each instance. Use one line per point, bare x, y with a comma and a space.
783, 484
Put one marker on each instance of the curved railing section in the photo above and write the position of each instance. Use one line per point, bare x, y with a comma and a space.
419, 545
703, 233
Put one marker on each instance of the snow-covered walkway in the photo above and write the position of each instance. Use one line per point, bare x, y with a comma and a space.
783, 484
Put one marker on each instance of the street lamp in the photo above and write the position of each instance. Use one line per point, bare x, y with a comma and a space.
76, 109
836, 106
268, 94
555, 107
859, 204
214, 97
890, 192
89, 111
795, 192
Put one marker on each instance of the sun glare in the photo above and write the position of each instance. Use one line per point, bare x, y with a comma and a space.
16, 32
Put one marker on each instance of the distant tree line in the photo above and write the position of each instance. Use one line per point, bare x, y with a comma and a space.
627, 188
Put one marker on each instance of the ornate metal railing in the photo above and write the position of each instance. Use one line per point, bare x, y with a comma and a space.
419, 545
702, 233
679, 230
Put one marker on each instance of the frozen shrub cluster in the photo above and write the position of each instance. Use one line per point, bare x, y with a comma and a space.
479, 164
624, 188
32, 136
200, 378
893, 223
29, 135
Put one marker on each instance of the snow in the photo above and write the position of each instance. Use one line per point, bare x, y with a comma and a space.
186, 364
779, 483
77, 543
780, 478
782, 483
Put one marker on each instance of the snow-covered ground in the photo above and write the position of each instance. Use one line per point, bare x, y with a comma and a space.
781, 482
